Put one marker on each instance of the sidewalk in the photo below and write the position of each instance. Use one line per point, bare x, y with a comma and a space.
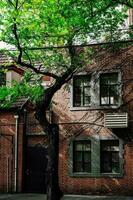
86, 197
66, 197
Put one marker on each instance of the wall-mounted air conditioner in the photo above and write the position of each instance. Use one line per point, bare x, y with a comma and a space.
116, 120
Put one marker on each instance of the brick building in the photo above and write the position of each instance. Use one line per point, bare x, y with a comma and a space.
95, 116
22, 140
94, 112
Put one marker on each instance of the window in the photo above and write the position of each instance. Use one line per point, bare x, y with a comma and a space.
2, 78
82, 156
96, 91
81, 91
110, 156
109, 89
95, 157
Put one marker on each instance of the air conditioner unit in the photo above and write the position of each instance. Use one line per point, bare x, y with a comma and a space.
116, 120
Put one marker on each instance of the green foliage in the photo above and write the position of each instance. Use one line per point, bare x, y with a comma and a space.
57, 23
30, 87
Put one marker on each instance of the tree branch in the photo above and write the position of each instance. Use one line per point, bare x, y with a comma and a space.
17, 40
49, 92
11, 3
29, 66
21, 4
28, 57
43, 105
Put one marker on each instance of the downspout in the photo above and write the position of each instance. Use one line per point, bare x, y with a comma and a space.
16, 153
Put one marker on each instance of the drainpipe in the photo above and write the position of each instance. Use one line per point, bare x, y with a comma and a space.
16, 153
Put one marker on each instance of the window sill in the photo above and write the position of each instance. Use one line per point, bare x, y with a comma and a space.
92, 175
36, 134
80, 174
93, 108
111, 175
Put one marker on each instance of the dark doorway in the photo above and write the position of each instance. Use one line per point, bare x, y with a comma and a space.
36, 163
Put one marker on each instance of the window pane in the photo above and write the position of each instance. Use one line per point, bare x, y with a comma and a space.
81, 156
87, 91
113, 78
110, 145
109, 89
115, 157
105, 156
109, 156
86, 80
81, 90
87, 146
78, 156
86, 96
114, 95
78, 146
87, 167
77, 82
86, 101
77, 96
106, 167
115, 167
104, 79
78, 167
104, 100
109, 78
87, 157
104, 92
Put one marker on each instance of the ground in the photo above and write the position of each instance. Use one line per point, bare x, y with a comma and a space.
66, 197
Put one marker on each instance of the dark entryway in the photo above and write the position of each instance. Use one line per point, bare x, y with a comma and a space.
36, 163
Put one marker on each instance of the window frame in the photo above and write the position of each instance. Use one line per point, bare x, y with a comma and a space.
109, 153
83, 151
82, 89
95, 157
95, 92
109, 86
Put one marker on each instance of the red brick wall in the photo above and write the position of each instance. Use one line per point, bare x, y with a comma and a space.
68, 121
86, 185
7, 129
62, 114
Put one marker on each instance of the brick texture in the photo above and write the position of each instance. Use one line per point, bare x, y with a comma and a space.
68, 121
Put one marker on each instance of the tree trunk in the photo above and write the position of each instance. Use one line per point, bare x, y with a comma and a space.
52, 180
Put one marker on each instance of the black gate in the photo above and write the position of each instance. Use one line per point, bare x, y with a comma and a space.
36, 163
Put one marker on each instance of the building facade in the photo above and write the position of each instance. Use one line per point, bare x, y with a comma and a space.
94, 112
95, 115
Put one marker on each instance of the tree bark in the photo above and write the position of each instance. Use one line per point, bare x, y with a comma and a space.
52, 180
